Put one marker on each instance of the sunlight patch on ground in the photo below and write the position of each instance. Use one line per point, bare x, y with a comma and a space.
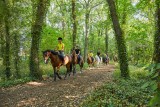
70, 85
26, 102
69, 96
35, 83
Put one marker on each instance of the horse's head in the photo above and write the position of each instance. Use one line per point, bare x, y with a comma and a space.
46, 55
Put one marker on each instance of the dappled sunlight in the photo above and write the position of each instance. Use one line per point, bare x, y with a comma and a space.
70, 96
83, 76
70, 85
26, 102
35, 84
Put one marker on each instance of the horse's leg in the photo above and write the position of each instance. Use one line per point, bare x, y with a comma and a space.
70, 69
80, 68
59, 76
74, 69
65, 75
57, 73
66, 72
54, 74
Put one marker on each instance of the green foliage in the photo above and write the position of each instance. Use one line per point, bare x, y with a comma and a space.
123, 92
120, 93
49, 39
154, 76
10, 83
135, 72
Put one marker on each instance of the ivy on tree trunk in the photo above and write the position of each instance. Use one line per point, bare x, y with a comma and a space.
74, 33
7, 39
122, 52
36, 35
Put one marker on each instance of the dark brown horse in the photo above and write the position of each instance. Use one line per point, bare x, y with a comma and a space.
56, 61
106, 60
90, 61
75, 61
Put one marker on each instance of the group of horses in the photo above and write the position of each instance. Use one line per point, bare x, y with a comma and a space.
70, 61
97, 60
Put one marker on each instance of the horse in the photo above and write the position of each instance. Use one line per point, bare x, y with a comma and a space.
106, 60
75, 61
97, 60
56, 61
115, 58
89, 61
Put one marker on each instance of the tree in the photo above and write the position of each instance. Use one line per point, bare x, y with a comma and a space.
7, 38
122, 53
74, 33
156, 99
36, 35
106, 40
88, 8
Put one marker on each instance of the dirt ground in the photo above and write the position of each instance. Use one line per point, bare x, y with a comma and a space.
62, 93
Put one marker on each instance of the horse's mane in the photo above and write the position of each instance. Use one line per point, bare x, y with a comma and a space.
52, 51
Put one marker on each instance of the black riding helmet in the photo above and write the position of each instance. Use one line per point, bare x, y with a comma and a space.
59, 38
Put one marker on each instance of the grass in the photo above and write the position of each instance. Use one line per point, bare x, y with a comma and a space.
135, 72
122, 92
14, 82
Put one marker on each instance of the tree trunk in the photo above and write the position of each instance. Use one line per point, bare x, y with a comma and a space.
157, 41
106, 40
36, 34
7, 38
74, 22
122, 53
2, 39
86, 36
16, 56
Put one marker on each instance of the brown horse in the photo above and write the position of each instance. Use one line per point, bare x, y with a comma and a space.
56, 61
75, 61
89, 61
106, 60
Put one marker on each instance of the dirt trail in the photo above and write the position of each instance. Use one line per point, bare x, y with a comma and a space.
62, 93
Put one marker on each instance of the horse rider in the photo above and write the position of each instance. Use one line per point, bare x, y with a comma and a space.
91, 55
107, 57
78, 52
60, 48
98, 54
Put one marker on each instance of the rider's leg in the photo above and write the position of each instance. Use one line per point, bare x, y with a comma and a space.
62, 54
92, 59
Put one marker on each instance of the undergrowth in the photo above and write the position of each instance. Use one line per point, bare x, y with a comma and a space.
122, 92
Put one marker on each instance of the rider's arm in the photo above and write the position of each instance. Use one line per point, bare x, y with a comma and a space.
63, 47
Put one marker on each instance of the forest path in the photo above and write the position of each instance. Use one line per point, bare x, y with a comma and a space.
62, 93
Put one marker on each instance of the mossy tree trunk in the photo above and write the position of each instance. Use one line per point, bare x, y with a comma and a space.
122, 52
157, 43
36, 35
7, 39
74, 22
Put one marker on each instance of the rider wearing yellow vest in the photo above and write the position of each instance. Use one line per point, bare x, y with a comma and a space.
91, 55
60, 48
